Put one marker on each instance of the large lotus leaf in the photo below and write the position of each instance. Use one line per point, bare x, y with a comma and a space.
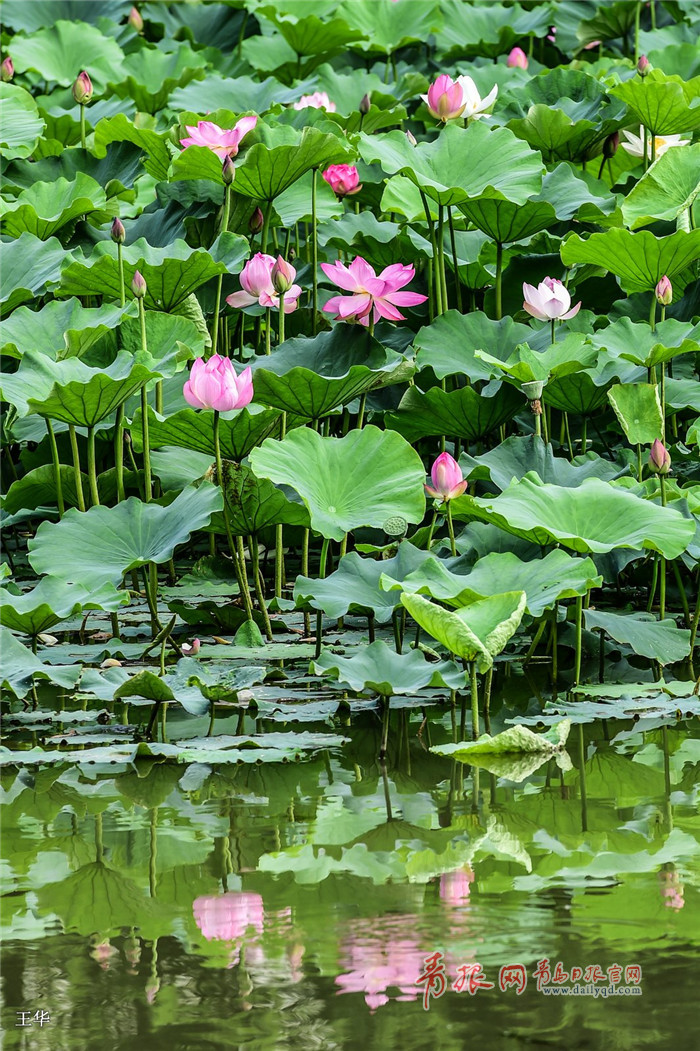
255, 503
459, 413
363, 479
365, 235
638, 410
239, 431
487, 30
294, 205
120, 129
460, 164
380, 668
448, 344
61, 329
171, 273
579, 393
150, 74
384, 25
311, 377
312, 35
47, 206
639, 344
525, 365
659, 640
53, 600
354, 586
506, 221
545, 580
477, 632
666, 105
639, 260
21, 124
20, 666
29, 266
667, 189
596, 517
516, 456
217, 92
282, 155
37, 488
514, 740
103, 543
40, 13
59, 52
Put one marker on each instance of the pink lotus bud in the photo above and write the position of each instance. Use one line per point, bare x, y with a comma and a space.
343, 179
228, 171
282, 275
82, 89
191, 649
445, 98
517, 59
138, 285
447, 478
213, 384
256, 221
659, 458
365, 103
7, 70
643, 66
552, 35
610, 145
135, 20
411, 138
664, 291
118, 231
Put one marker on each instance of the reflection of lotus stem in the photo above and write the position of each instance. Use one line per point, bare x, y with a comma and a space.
314, 258
99, 850
76, 467
217, 301
450, 529
385, 703
488, 682
499, 280
387, 795
694, 625
453, 244
582, 773
152, 854
321, 573
475, 700
82, 127
555, 656
579, 639
255, 563
92, 471
56, 467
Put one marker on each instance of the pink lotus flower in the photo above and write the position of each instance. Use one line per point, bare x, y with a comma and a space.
342, 179
256, 278
447, 478
213, 384
227, 917
445, 98
221, 141
517, 59
549, 301
317, 100
370, 292
191, 649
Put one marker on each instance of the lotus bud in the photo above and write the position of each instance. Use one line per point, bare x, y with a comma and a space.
411, 138
191, 649
118, 232
610, 145
643, 66
7, 70
664, 291
659, 458
517, 59
82, 89
282, 276
447, 478
138, 285
228, 171
365, 103
256, 221
135, 20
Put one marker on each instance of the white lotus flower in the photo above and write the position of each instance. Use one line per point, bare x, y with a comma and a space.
635, 143
474, 106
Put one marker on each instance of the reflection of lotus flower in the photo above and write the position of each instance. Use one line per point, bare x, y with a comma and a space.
455, 886
474, 106
549, 301
221, 141
317, 100
445, 98
213, 384
672, 890
256, 278
635, 143
227, 917
447, 478
380, 956
517, 59
370, 292
659, 458
102, 952
342, 179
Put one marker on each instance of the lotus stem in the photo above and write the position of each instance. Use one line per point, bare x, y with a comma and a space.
652, 312
56, 467
584, 435
432, 530
499, 280
450, 529
314, 258
219, 283
682, 592
280, 338
236, 549
305, 573
579, 639
257, 580
555, 641
488, 682
453, 244
441, 258
437, 287
144, 411
120, 261
92, 469
361, 411
99, 850
662, 560
266, 226
119, 452
77, 474
279, 531
82, 127
568, 436
640, 465
385, 702
637, 13
475, 700
554, 338
268, 313
645, 160
322, 574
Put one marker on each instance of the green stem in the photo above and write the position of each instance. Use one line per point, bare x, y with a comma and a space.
450, 528
579, 639
441, 257
120, 261
56, 468
119, 452
453, 244
266, 226
76, 467
99, 849
640, 466
148, 488
217, 301
475, 700
553, 336
314, 258
92, 469
499, 280
279, 532
281, 320
267, 329
82, 127
255, 563
437, 288
236, 549
637, 13
652, 312
662, 560
321, 573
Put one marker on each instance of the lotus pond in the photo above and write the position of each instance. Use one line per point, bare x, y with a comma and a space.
350, 509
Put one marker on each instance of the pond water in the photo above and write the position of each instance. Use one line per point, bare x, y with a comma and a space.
294, 904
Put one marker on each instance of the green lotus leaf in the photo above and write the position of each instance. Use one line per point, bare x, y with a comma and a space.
53, 600
459, 413
666, 105
37, 488
171, 273
19, 15
61, 329
545, 580
149, 75
639, 260
477, 632
311, 377
594, 518
239, 431
638, 410
46, 207
282, 155
255, 503
448, 344
682, 394
639, 344
294, 204
312, 35
579, 393
487, 31
20, 667
148, 685
365, 235
58, 52
514, 740
380, 668
21, 124
29, 266
609, 22
460, 164
506, 221
216, 92
362, 479
659, 640
516, 456
666, 190
120, 129
103, 543
385, 28
354, 586
572, 354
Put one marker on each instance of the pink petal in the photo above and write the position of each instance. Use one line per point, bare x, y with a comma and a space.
240, 299
571, 313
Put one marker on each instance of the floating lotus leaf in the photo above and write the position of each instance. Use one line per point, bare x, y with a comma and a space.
514, 740
20, 667
638, 410
53, 600
380, 668
61, 329
639, 260
659, 640
477, 632
29, 267
666, 105
21, 124
667, 189
460, 413
359, 480
46, 207
239, 431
